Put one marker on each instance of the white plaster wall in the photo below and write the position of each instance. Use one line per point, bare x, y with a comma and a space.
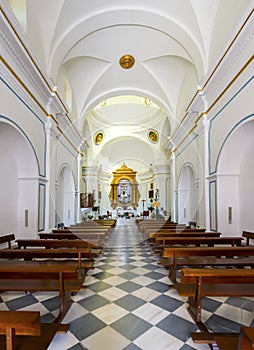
229, 111
234, 179
192, 154
17, 110
19, 178
246, 189
9, 191
228, 196
27, 200
200, 185
63, 202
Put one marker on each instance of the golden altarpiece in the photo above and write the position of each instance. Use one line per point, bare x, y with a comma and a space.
124, 191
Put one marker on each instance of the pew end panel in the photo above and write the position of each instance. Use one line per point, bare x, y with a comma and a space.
34, 276
197, 283
243, 340
8, 240
23, 330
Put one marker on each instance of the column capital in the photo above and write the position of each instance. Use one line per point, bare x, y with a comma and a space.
206, 122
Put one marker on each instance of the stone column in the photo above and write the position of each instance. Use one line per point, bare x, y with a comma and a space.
77, 192
48, 127
174, 189
206, 124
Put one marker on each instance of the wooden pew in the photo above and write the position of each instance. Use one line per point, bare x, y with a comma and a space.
96, 248
188, 233
98, 222
175, 258
248, 235
59, 243
156, 227
53, 243
92, 236
82, 256
161, 239
106, 222
165, 231
197, 241
37, 276
197, 283
244, 340
97, 229
23, 329
155, 223
9, 239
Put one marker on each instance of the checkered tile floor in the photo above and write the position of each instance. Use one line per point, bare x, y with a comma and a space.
128, 305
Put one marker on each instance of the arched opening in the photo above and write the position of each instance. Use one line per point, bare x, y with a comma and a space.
235, 187
66, 209
19, 183
186, 196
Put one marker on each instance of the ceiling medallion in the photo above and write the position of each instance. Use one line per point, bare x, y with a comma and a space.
127, 61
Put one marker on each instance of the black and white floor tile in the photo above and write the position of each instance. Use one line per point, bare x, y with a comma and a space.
128, 305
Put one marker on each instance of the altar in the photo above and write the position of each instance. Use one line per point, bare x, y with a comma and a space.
121, 212
124, 192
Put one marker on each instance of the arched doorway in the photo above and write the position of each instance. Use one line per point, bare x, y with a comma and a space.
66, 203
186, 196
235, 186
19, 183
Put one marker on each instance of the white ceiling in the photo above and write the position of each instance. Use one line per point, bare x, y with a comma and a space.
175, 44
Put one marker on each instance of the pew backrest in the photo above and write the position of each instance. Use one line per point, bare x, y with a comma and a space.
9, 239
249, 236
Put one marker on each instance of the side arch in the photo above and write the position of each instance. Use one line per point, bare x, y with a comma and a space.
186, 196
235, 187
20, 183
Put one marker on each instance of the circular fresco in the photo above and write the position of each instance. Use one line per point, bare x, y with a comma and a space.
153, 135
98, 137
127, 61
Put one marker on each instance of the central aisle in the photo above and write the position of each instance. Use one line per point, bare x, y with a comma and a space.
128, 305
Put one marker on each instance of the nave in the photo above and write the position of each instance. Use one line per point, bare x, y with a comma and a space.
127, 304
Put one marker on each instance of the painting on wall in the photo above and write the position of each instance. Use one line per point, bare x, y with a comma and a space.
98, 137
150, 194
153, 135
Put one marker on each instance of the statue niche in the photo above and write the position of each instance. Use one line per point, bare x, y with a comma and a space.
124, 188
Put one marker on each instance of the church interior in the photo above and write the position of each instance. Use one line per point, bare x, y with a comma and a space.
119, 121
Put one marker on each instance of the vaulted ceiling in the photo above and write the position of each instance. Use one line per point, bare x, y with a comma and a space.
175, 44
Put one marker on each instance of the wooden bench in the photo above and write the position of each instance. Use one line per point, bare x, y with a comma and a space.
92, 236
82, 256
166, 231
56, 243
197, 283
96, 249
175, 258
176, 227
146, 224
248, 235
9, 239
23, 329
38, 276
161, 239
244, 340
82, 229
197, 241
152, 232
106, 222
98, 222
